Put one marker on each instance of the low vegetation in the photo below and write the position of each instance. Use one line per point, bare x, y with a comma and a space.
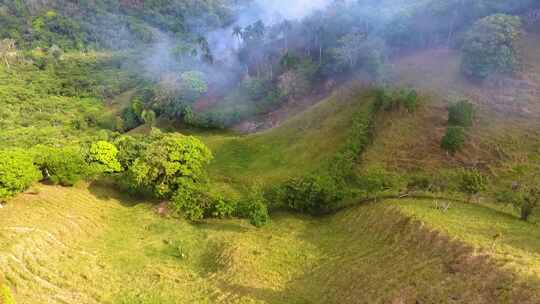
123, 180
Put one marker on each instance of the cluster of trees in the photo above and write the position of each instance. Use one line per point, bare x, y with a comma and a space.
163, 166
460, 118
65, 166
82, 25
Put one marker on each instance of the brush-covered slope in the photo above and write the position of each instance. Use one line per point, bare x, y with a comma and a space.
298, 146
90, 245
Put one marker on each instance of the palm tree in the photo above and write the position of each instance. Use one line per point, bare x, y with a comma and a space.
238, 33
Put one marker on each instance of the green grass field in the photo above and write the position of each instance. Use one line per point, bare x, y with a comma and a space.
89, 244
92, 244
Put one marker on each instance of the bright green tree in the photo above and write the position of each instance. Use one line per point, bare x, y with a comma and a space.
168, 161
472, 182
66, 166
17, 172
102, 157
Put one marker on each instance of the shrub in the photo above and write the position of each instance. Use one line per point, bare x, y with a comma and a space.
375, 180
102, 157
254, 207
129, 149
391, 99
525, 198
258, 213
65, 166
221, 207
461, 114
491, 46
411, 101
530, 201
313, 194
196, 202
419, 182
190, 199
472, 182
17, 172
454, 140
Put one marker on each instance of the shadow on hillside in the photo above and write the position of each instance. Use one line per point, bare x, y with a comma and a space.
106, 190
372, 254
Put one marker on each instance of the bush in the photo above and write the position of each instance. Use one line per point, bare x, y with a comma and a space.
196, 202
258, 213
375, 180
525, 198
419, 181
461, 114
190, 199
491, 46
65, 166
17, 172
454, 140
472, 182
391, 99
530, 201
102, 157
313, 194
411, 101
221, 207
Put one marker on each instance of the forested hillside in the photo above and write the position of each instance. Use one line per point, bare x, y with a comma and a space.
253, 149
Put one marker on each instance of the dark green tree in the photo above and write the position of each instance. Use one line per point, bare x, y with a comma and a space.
491, 46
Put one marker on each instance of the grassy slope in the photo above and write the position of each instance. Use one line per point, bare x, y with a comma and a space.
514, 243
89, 245
300, 145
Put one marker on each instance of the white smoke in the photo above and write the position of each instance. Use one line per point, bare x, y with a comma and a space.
289, 9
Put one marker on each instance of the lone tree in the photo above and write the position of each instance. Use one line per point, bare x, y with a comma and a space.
17, 173
472, 182
168, 164
491, 46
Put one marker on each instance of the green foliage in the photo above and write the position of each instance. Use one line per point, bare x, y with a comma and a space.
461, 114
313, 194
102, 157
255, 207
376, 179
388, 99
454, 139
167, 163
190, 200
472, 182
59, 105
129, 149
6, 297
321, 191
491, 46
524, 193
223, 207
149, 117
419, 181
196, 202
530, 201
192, 85
65, 166
17, 172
